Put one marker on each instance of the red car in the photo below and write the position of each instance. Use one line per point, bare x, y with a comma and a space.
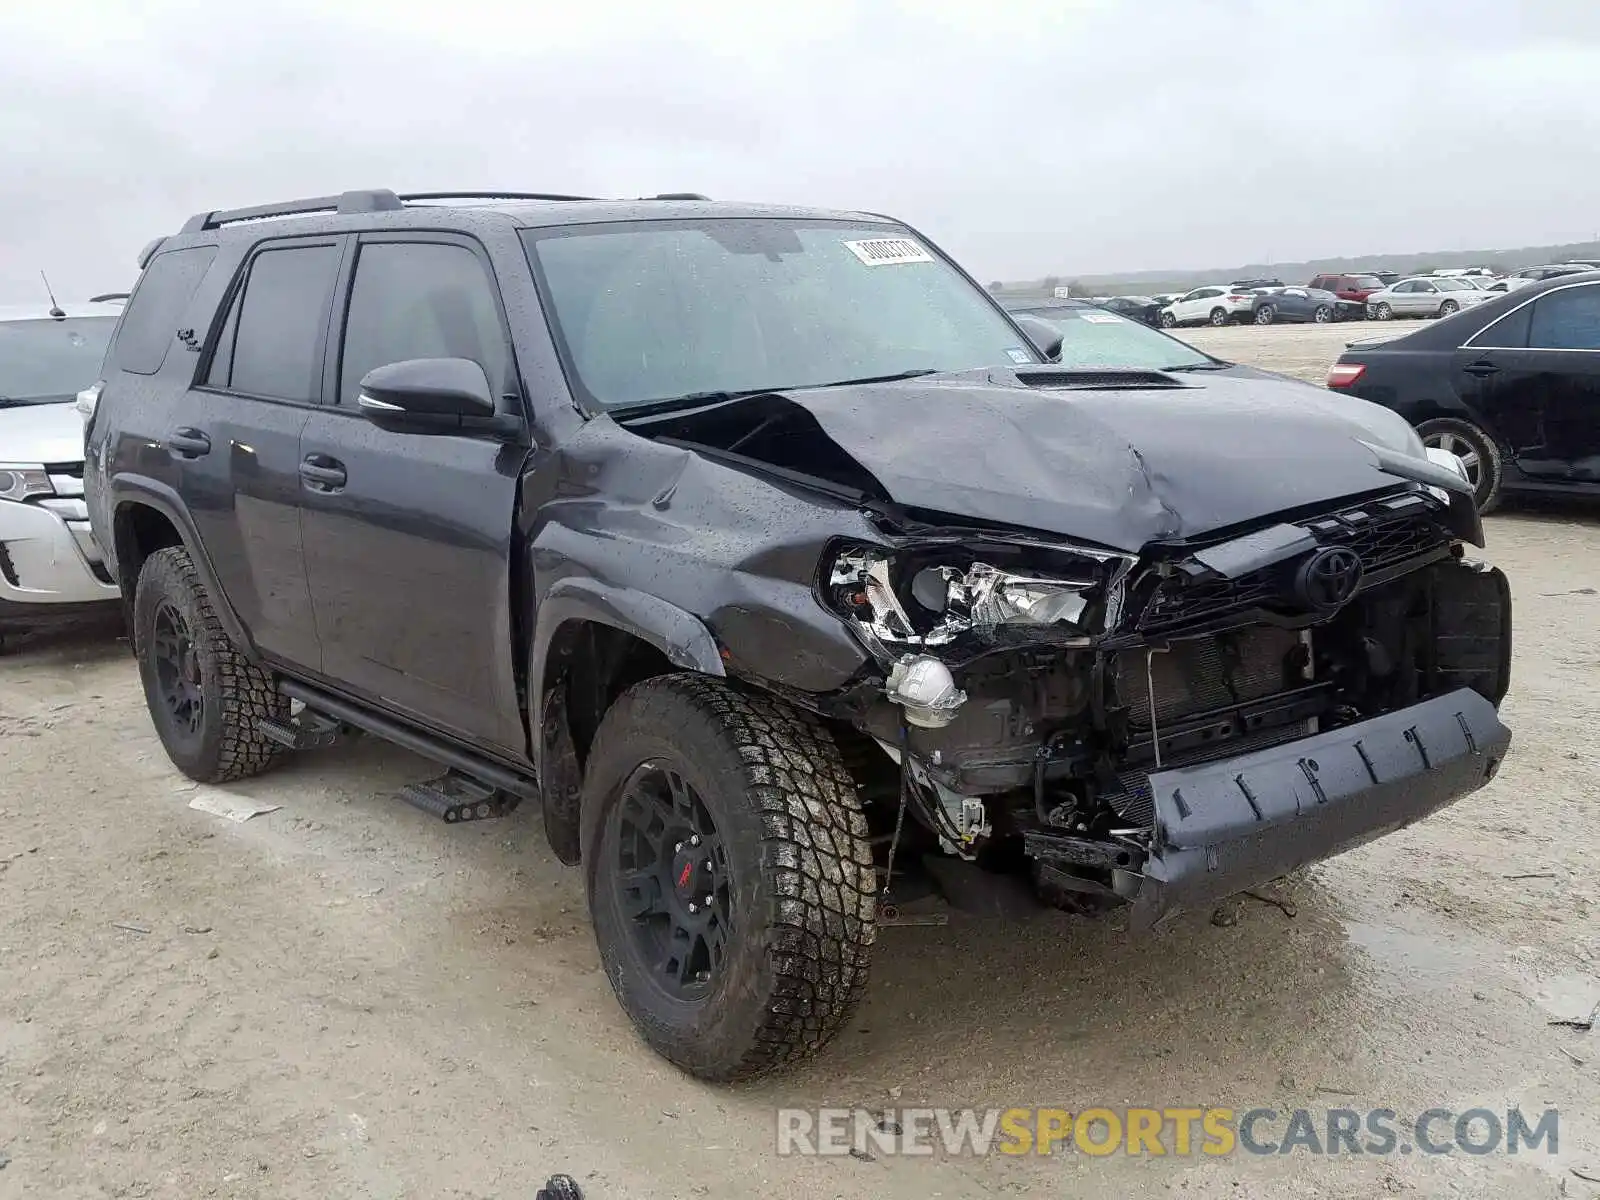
1349, 287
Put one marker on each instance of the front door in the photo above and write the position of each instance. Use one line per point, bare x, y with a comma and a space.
408, 537
237, 437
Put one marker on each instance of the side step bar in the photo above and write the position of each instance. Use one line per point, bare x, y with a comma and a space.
474, 787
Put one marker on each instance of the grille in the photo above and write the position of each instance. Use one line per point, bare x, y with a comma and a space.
1385, 535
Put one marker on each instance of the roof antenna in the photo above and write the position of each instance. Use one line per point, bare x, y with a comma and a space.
55, 309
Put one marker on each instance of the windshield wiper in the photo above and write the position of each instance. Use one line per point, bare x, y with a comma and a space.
1200, 366
914, 373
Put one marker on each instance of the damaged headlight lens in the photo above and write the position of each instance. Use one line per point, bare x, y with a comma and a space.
931, 596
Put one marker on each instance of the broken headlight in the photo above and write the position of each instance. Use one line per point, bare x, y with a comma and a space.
930, 596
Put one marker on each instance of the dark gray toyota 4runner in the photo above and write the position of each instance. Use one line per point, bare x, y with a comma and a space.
782, 569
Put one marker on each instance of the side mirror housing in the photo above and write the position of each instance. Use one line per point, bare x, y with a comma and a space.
432, 395
1044, 336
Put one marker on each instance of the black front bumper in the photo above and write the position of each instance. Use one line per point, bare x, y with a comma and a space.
1224, 827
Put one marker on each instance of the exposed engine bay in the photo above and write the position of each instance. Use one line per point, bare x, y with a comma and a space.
1030, 690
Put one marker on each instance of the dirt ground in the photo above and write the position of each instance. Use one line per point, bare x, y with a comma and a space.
345, 998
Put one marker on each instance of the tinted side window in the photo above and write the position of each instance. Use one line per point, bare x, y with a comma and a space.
1566, 320
272, 341
157, 306
1509, 332
421, 300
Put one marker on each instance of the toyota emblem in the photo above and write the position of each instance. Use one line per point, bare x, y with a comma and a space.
1329, 578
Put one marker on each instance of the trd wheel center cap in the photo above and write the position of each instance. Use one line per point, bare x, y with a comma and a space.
687, 876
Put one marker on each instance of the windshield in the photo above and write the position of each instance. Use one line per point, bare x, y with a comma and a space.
1452, 284
1368, 281
48, 360
1093, 338
655, 310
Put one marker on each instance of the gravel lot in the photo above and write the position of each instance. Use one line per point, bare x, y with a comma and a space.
344, 998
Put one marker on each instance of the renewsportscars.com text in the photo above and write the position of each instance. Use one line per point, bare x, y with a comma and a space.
1164, 1131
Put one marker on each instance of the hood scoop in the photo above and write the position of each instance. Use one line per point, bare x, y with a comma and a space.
1095, 378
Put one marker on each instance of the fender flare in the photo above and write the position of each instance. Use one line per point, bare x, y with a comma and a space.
152, 493
677, 633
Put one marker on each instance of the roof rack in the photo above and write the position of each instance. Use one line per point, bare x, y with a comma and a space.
107, 297
372, 200
474, 195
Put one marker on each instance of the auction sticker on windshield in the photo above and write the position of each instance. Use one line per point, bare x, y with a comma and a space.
1100, 318
883, 252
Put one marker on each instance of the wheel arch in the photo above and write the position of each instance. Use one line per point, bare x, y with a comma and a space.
146, 516
618, 636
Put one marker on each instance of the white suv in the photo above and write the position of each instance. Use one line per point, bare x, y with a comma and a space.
1214, 304
50, 565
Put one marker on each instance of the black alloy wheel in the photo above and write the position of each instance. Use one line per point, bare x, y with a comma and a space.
672, 871
176, 661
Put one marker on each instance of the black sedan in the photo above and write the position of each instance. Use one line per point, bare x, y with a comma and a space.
1510, 386
1139, 308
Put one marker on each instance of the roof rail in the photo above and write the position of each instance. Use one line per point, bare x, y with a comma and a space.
491, 195
107, 297
367, 200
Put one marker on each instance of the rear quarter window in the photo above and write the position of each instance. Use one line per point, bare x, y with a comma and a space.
156, 308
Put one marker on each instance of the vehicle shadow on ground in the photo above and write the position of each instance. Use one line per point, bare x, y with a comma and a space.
1066, 1009
92, 641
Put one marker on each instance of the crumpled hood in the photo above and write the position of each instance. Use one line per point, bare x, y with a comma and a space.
1119, 467
41, 433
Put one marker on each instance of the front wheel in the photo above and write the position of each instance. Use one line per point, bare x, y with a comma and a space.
1384, 313
1448, 307
1323, 315
1478, 454
1168, 321
730, 876
205, 698
1219, 316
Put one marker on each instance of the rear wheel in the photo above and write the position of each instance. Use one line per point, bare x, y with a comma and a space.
205, 698
730, 877
1265, 314
1219, 316
1477, 451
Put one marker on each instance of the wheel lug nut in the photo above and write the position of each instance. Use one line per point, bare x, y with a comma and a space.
692, 908
695, 840
678, 849
709, 899
709, 867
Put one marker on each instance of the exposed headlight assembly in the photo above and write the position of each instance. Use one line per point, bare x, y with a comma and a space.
22, 481
930, 596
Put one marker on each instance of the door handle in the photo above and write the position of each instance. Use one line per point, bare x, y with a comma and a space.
188, 443
1481, 369
322, 473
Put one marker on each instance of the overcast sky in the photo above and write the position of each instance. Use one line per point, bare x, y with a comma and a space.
1057, 136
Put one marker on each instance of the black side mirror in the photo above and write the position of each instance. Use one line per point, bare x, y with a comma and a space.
432, 395
1045, 337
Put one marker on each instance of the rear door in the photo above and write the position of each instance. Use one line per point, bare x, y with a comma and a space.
1564, 333
408, 536
236, 438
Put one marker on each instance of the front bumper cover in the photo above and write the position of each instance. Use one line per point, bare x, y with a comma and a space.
49, 558
1224, 827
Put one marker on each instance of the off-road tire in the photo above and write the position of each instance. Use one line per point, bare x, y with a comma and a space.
237, 693
1491, 475
799, 859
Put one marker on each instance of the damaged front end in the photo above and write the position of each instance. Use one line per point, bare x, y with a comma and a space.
1165, 728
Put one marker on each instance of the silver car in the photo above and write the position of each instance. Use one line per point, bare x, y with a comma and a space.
1424, 296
